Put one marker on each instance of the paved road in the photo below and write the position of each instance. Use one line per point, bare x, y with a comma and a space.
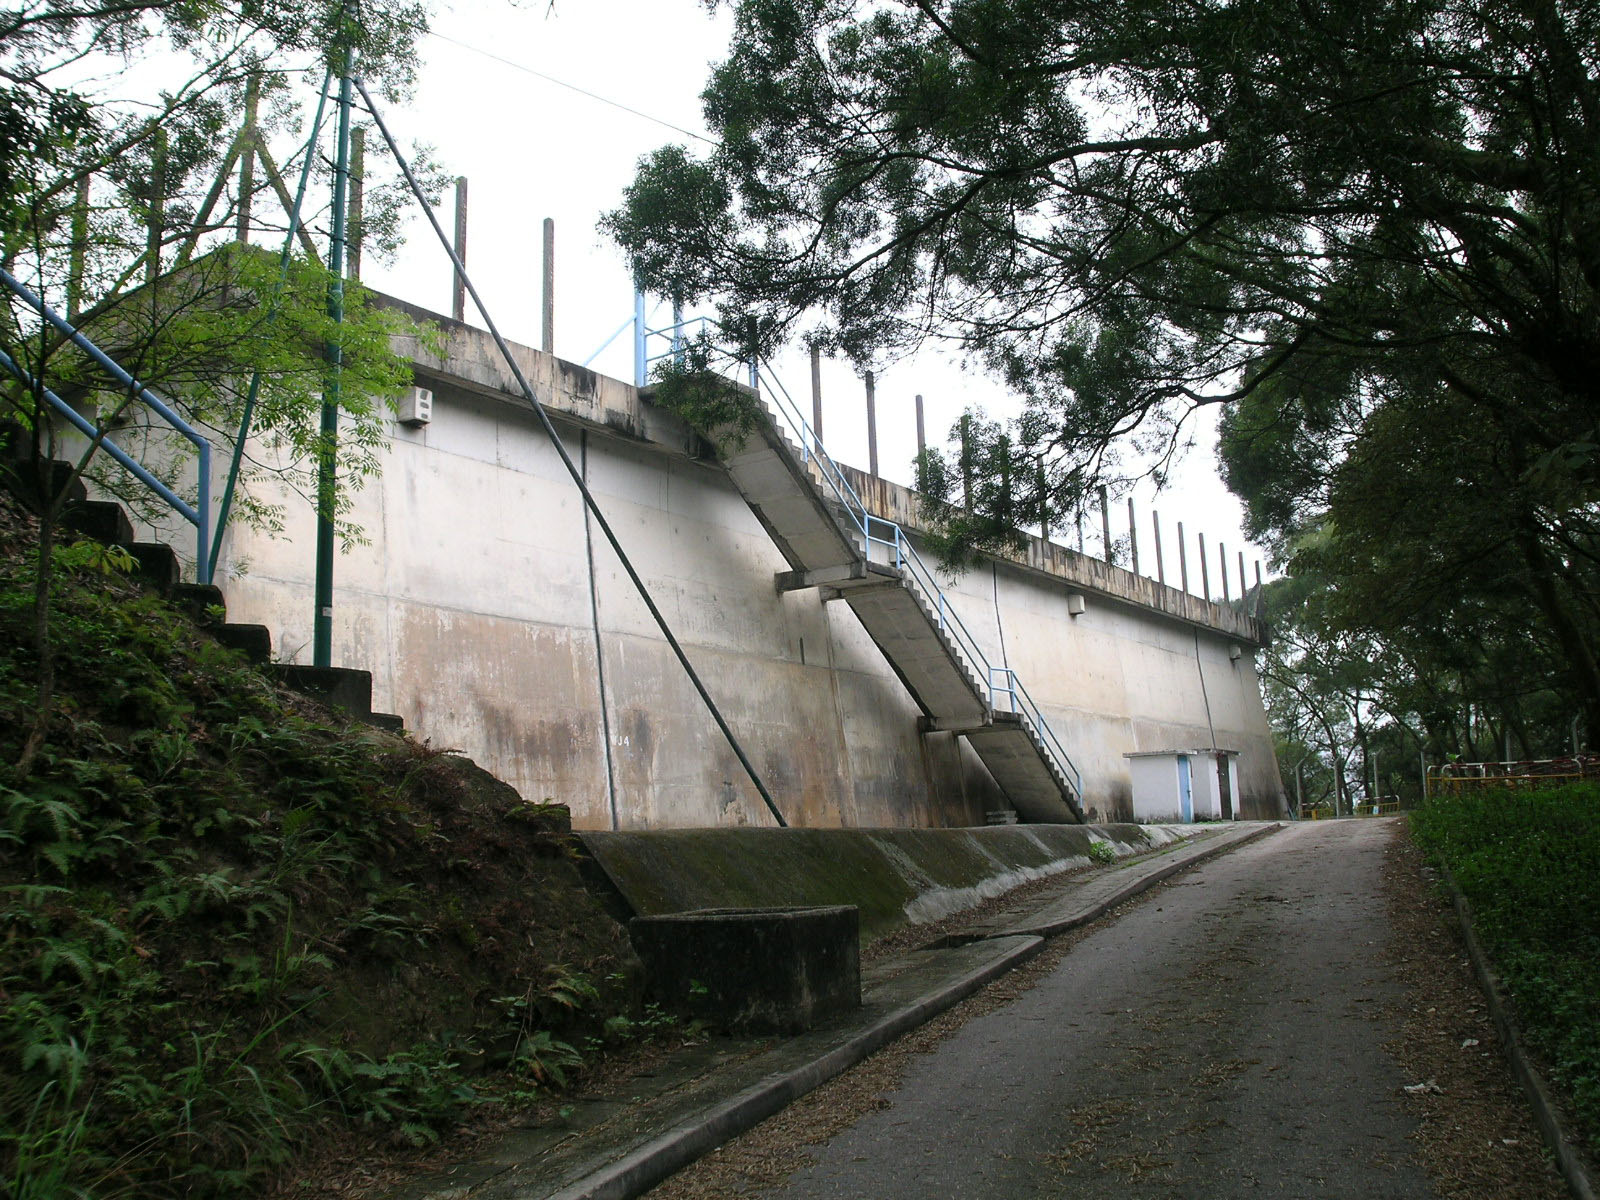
1221, 1040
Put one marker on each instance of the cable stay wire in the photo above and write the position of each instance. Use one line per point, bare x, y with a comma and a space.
571, 87
566, 458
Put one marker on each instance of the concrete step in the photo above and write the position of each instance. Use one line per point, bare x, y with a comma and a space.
254, 640
204, 602
24, 480
157, 565
341, 687
104, 520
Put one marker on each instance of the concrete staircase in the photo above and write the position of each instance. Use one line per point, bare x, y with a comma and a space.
157, 567
815, 519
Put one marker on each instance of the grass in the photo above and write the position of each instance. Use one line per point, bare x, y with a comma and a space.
1529, 863
236, 927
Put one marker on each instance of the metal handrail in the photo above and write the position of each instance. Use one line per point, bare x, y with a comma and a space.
879, 531
199, 514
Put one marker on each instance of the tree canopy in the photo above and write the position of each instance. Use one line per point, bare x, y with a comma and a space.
1367, 229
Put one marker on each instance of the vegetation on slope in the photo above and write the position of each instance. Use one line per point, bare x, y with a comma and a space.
234, 925
1529, 863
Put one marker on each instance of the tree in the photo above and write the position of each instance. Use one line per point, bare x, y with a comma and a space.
1130, 210
117, 209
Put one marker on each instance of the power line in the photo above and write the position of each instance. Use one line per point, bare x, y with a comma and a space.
516, 66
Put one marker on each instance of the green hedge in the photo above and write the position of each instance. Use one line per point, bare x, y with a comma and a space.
1529, 863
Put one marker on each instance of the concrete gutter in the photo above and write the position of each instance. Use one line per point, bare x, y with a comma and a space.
1569, 1159
630, 1152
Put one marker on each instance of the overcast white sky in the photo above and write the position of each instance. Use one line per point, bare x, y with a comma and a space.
531, 149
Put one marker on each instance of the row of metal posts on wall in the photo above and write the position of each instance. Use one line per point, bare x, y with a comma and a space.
1108, 543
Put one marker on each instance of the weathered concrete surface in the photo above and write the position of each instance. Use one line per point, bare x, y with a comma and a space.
1221, 1042
495, 620
759, 969
894, 876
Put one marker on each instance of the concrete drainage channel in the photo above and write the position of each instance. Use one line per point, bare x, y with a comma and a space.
635, 1141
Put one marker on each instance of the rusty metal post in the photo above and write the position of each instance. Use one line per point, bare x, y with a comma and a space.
816, 393
547, 295
1205, 571
872, 426
1133, 536
1155, 527
158, 207
247, 157
78, 250
458, 287
1044, 502
966, 461
1183, 562
358, 200
1222, 568
1105, 526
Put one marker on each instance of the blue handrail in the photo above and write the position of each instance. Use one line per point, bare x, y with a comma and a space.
198, 514
996, 682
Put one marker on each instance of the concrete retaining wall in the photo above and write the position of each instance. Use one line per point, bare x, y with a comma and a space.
496, 621
894, 876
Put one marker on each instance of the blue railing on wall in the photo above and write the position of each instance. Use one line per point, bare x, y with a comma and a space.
197, 514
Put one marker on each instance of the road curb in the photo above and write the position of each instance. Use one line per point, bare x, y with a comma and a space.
641, 1169
1545, 1111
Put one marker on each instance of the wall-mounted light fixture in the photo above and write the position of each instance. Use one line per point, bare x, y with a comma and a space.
1074, 604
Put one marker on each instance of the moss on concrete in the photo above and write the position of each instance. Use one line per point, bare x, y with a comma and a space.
883, 872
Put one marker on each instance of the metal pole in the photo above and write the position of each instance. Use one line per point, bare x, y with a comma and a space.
247, 157
966, 461
1222, 569
816, 394
1105, 525
327, 451
677, 333
1242, 588
547, 327
1183, 562
458, 294
922, 436
78, 250
1133, 536
1044, 487
1155, 529
640, 351
358, 197
755, 362
872, 426
158, 207
1205, 572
